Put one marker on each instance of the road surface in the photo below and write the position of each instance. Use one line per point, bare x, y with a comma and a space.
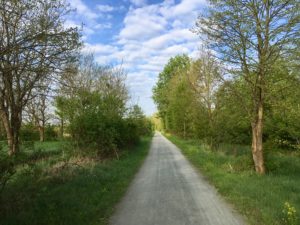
168, 191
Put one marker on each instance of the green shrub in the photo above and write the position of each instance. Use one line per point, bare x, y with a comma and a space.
243, 163
29, 132
7, 169
28, 145
50, 133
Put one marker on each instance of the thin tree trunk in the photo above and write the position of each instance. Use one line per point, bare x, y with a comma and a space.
42, 133
14, 143
61, 128
12, 134
257, 141
12, 129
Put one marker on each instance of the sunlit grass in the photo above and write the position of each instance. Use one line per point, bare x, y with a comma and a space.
86, 193
260, 198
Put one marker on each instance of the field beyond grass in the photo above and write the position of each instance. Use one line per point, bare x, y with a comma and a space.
260, 198
81, 192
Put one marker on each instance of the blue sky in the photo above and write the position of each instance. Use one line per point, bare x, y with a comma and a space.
140, 34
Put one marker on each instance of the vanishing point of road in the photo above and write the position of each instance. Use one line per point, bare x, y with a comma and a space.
168, 191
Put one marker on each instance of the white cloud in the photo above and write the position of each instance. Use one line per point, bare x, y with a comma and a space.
91, 20
143, 23
103, 26
156, 36
70, 23
99, 48
140, 85
186, 7
148, 37
109, 8
105, 8
172, 37
83, 10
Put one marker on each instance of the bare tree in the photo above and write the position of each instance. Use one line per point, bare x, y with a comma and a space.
37, 108
33, 44
250, 36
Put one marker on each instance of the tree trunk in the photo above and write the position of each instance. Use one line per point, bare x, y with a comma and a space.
257, 141
13, 142
42, 133
12, 129
61, 128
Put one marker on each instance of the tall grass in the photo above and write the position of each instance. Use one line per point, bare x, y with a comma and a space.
83, 193
260, 198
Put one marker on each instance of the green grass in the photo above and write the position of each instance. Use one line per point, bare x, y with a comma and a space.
82, 194
259, 198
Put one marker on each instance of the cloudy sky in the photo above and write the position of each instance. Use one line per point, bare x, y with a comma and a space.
140, 34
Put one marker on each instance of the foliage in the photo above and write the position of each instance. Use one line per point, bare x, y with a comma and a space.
94, 106
230, 169
174, 67
51, 133
289, 214
7, 170
156, 121
250, 38
35, 45
215, 111
137, 117
29, 133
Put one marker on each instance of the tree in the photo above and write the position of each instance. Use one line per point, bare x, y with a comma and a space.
204, 77
250, 36
37, 108
181, 103
176, 65
231, 121
33, 44
92, 103
136, 116
283, 107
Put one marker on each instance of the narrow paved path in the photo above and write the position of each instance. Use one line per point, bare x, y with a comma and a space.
168, 191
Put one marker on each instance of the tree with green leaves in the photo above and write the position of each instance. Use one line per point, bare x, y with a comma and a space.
92, 103
181, 102
34, 44
204, 78
176, 65
250, 37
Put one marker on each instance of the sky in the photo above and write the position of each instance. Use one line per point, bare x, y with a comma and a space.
142, 35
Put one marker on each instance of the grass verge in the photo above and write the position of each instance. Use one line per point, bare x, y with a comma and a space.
86, 193
260, 198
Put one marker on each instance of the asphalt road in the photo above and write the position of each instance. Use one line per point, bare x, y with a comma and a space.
168, 191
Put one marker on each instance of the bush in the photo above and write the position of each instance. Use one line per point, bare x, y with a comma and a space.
243, 163
7, 170
50, 133
106, 135
28, 145
29, 132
